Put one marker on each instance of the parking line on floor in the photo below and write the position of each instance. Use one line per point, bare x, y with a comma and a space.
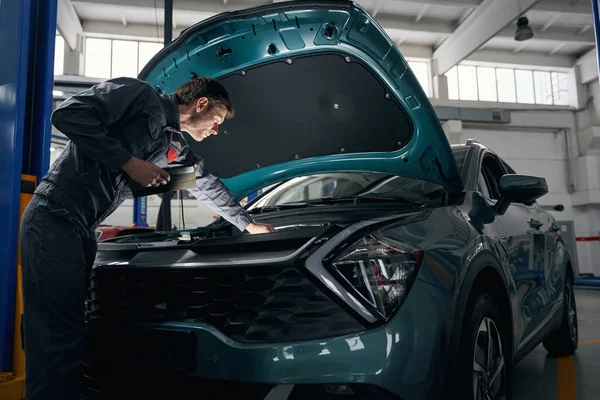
589, 341
566, 379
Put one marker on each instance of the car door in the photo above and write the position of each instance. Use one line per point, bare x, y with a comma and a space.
553, 258
525, 243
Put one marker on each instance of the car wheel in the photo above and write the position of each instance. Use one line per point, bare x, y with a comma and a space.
564, 341
483, 358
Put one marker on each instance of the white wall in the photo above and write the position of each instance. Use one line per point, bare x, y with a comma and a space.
540, 153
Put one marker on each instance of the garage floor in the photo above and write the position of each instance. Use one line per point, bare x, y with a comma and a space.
540, 376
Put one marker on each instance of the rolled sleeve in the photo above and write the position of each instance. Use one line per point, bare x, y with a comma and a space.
211, 191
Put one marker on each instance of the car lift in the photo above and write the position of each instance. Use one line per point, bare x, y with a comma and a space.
28, 30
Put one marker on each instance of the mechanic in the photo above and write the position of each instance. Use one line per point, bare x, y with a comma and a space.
121, 130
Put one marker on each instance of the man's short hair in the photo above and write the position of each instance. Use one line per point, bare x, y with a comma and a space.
198, 87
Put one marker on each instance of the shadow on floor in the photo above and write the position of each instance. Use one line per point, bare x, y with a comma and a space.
538, 376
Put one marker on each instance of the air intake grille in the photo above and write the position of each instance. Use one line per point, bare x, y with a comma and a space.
250, 304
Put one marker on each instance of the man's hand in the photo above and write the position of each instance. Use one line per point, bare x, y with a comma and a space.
255, 228
145, 173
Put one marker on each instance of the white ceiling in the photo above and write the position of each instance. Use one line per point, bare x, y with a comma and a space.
562, 27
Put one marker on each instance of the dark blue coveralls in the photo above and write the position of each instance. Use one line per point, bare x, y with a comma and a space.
106, 125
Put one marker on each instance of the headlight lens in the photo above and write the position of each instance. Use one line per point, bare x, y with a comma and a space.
381, 269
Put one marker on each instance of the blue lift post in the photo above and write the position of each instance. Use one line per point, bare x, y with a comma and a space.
140, 212
27, 29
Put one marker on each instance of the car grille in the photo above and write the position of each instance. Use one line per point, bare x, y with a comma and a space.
250, 304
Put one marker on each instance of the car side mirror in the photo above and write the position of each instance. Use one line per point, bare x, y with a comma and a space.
515, 188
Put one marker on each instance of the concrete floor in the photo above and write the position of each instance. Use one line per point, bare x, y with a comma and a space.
540, 376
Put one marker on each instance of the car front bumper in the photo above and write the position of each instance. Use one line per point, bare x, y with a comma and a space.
399, 360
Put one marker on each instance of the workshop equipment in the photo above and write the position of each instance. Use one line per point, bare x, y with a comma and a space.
12, 384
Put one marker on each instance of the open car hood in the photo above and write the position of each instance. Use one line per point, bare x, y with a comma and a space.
317, 87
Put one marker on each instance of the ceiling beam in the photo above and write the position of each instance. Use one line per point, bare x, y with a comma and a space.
409, 24
555, 34
116, 30
451, 3
68, 24
415, 51
587, 66
181, 5
565, 7
523, 58
550, 22
489, 18
520, 47
557, 6
557, 48
376, 8
424, 9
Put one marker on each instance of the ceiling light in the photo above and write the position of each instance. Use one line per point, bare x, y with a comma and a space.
523, 31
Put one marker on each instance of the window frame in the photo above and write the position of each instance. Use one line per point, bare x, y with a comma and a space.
556, 98
493, 191
111, 40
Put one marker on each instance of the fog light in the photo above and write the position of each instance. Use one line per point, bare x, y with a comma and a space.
342, 389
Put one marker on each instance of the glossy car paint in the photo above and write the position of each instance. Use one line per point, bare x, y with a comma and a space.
411, 355
297, 29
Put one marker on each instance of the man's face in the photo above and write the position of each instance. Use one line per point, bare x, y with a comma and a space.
205, 120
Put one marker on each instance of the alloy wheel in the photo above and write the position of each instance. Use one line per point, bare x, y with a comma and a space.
571, 310
489, 366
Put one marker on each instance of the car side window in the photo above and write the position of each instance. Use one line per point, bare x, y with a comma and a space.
492, 172
482, 186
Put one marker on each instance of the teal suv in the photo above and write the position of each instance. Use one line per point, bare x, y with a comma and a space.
403, 268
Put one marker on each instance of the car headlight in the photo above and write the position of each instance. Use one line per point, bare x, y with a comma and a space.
381, 269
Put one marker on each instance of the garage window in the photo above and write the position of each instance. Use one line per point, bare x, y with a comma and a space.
59, 55
421, 71
110, 58
508, 85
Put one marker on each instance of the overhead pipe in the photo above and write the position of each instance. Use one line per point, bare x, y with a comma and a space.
168, 21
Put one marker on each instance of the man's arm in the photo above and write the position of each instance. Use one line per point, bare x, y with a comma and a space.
211, 191
84, 118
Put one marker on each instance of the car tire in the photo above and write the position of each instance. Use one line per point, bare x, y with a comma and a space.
564, 341
477, 372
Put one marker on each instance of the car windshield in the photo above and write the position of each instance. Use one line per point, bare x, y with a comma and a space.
314, 188
351, 185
